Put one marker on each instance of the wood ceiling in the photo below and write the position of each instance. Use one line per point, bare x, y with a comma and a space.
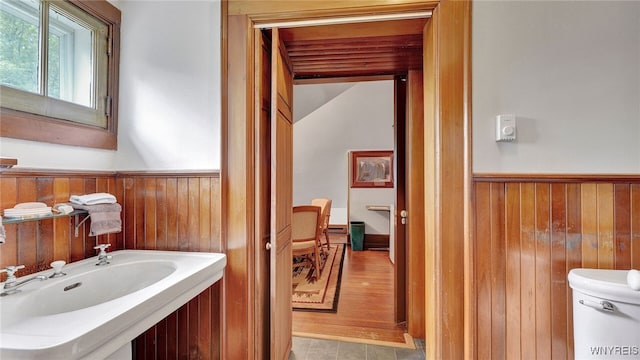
355, 50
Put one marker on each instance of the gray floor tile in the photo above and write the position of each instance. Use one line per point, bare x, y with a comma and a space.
410, 354
322, 350
299, 348
351, 351
376, 352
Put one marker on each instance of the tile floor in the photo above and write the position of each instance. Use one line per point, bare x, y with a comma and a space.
316, 349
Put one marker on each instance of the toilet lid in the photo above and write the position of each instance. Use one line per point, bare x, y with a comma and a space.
604, 284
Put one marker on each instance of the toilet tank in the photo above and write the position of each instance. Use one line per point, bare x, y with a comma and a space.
606, 315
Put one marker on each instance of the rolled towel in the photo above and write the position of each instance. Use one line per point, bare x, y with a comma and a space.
633, 279
93, 199
105, 218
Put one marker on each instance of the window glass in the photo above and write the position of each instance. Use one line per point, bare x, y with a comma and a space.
70, 59
19, 42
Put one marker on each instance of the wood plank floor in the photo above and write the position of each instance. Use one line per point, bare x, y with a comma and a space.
365, 307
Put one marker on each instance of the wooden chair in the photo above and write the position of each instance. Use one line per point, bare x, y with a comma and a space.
305, 235
325, 205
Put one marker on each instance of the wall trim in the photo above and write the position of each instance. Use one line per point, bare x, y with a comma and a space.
564, 178
171, 173
28, 172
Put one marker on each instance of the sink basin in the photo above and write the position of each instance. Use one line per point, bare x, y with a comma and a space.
95, 310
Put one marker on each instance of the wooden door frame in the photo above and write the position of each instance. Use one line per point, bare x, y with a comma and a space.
450, 293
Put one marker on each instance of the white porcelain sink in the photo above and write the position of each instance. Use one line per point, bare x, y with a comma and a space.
95, 310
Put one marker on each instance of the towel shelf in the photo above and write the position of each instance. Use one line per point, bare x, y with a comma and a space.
75, 213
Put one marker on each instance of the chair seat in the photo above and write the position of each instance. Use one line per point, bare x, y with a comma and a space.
300, 245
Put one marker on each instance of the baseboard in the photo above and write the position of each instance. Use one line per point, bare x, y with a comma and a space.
338, 229
376, 241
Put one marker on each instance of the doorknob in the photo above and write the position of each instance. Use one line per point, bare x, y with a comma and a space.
403, 217
268, 246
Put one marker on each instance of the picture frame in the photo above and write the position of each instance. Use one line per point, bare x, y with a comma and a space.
372, 169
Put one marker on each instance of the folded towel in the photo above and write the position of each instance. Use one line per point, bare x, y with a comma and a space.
93, 199
105, 218
3, 234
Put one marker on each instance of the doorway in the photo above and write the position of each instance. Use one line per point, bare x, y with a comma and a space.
448, 293
358, 116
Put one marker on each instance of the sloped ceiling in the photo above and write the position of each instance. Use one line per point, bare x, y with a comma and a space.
309, 98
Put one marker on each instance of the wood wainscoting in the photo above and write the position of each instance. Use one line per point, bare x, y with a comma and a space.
162, 211
529, 232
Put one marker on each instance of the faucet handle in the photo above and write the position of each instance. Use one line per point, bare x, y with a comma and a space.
11, 270
57, 268
102, 247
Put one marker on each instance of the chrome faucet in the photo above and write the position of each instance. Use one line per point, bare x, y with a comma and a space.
12, 284
103, 258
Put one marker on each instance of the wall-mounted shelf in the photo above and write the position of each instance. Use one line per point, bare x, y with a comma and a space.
54, 216
75, 213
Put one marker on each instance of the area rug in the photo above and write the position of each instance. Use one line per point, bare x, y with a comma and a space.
321, 294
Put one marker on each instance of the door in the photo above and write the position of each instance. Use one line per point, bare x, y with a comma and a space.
281, 197
415, 266
400, 237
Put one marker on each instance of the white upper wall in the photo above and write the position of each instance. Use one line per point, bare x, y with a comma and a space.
570, 72
169, 110
359, 118
169, 85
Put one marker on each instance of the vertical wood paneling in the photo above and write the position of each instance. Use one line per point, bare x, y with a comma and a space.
483, 267
528, 274
129, 217
589, 213
183, 214
558, 270
543, 272
44, 253
498, 301
8, 198
528, 236
574, 252
150, 213
204, 210
61, 226
622, 226
635, 226
138, 217
76, 187
172, 212
161, 214
27, 232
513, 271
605, 226
194, 214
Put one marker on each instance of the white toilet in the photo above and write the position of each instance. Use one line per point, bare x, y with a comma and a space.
606, 315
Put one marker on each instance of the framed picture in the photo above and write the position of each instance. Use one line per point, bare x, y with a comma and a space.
371, 169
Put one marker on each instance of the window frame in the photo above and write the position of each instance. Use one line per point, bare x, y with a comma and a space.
26, 126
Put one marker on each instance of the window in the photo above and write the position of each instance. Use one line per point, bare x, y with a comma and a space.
58, 71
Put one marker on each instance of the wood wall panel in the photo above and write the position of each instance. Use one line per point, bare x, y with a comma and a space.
528, 236
160, 211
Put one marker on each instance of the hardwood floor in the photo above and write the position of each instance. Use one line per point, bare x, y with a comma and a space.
365, 307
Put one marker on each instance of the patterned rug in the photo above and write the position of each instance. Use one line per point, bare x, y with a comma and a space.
322, 294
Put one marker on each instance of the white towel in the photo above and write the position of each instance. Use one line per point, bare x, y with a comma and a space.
93, 199
105, 218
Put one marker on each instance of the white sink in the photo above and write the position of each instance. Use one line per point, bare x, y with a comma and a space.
95, 310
